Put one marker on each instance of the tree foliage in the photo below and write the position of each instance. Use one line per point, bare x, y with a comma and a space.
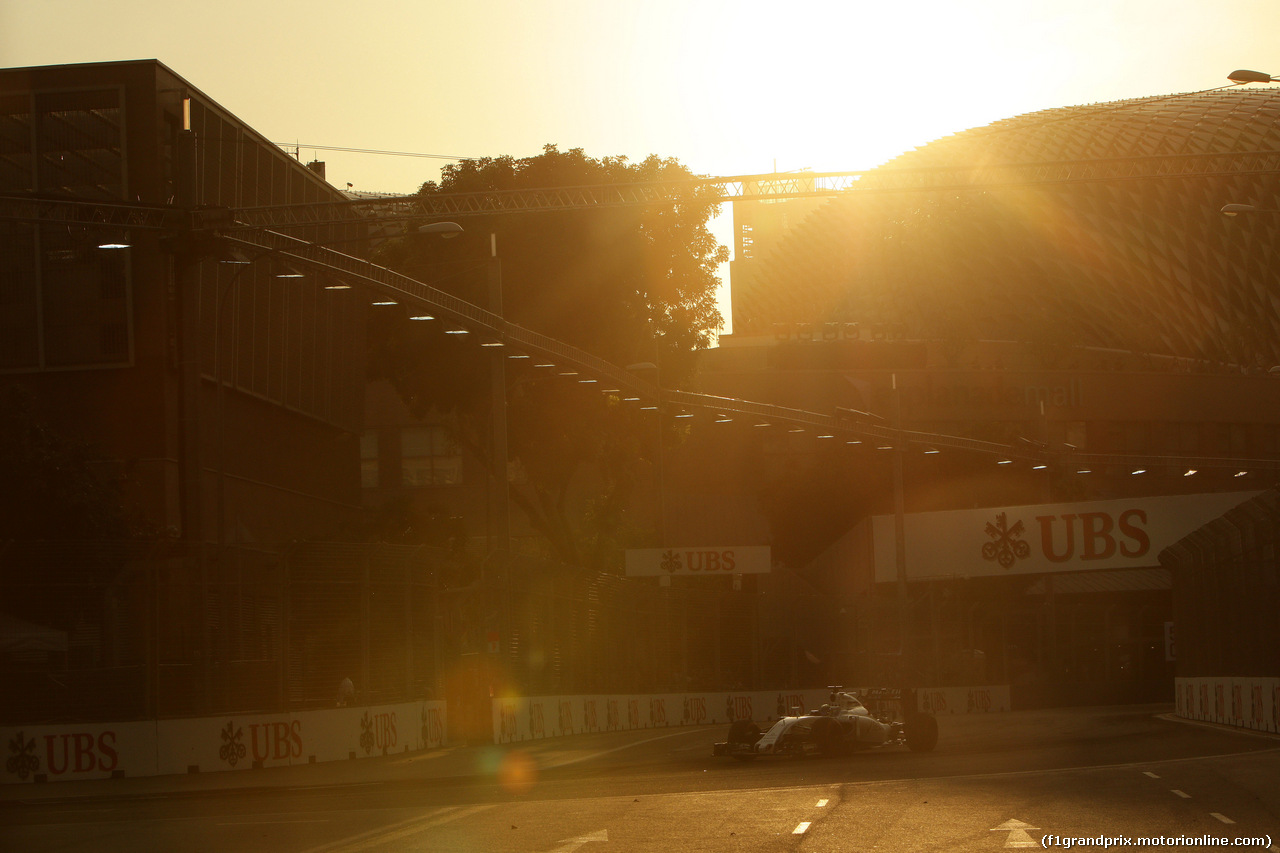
627, 284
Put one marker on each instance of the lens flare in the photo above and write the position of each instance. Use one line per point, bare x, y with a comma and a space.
518, 772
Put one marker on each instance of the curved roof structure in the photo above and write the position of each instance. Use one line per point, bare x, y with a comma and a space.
1093, 226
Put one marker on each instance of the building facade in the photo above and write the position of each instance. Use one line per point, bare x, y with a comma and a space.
219, 396
226, 397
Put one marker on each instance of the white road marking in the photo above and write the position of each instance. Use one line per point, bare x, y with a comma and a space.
801, 829
822, 804
1182, 794
1018, 835
592, 755
1149, 773
572, 844
379, 837
1008, 774
256, 822
1222, 817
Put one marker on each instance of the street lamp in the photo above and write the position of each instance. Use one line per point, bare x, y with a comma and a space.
1244, 76
1237, 209
447, 230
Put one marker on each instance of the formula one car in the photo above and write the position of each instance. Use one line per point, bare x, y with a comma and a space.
842, 726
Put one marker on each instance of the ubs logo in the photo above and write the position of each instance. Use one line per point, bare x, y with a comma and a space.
979, 700
695, 710
566, 717
508, 727
699, 561
537, 726
432, 727
281, 740
790, 704
1006, 546
1072, 536
377, 731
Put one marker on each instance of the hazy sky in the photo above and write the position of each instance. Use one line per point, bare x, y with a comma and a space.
726, 87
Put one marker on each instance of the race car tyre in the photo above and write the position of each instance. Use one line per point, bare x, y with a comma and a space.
921, 731
827, 736
743, 732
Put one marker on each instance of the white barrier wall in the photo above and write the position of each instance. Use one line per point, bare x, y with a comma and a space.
517, 719
533, 717
1250, 703
963, 700
103, 750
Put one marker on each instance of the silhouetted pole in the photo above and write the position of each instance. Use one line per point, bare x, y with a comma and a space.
500, 480
900, 525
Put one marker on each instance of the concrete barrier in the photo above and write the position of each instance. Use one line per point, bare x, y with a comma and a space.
521, 718
42, 753
47, 753
1245, 702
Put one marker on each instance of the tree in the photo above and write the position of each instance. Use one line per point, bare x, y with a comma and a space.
625, 284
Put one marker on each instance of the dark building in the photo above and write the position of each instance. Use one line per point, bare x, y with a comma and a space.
221, 393
126, 348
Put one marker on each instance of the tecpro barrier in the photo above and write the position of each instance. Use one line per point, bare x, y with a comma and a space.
42, 753
1249, 703
523, 718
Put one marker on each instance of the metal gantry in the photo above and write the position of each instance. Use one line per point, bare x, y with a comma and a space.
704, 190
260, 229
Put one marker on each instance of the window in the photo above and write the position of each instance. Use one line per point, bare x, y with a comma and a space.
63, 301
428, 457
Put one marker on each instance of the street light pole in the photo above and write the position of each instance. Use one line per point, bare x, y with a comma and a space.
499, 477
900, 527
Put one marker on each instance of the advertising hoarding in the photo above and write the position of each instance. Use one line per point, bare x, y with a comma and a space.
703, 560
1035, 539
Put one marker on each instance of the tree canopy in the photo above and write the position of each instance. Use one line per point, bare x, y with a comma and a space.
627, 284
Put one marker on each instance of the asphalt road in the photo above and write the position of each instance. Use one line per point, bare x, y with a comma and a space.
995, 782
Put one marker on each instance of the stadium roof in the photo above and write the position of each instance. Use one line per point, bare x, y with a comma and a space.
1096, 226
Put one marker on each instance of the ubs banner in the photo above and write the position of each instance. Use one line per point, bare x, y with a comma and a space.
1117, 534
731, 560
1249, 703
47, 753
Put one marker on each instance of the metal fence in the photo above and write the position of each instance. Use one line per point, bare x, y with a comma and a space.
112, 630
